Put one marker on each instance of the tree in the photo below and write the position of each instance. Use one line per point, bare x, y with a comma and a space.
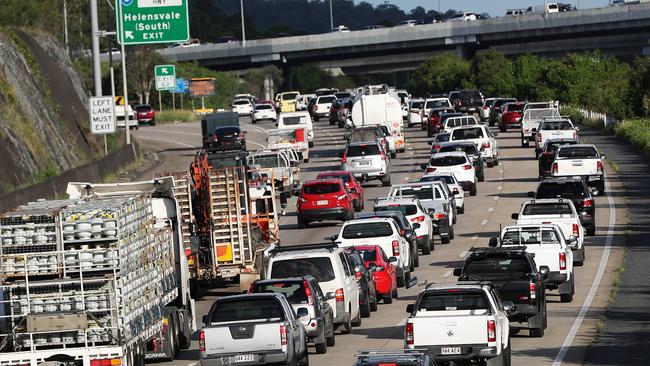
255, 79
141, 61
494, 74
641, 85
441, 73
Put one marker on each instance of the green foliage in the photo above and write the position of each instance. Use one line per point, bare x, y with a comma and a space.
641, 85
440, 73
254, 79
310, 77
494, 73
178, 115
226, 85
637, 132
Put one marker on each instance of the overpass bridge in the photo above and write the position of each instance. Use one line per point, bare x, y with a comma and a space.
621, 31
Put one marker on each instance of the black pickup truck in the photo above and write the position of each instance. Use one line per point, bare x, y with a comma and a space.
514, 274
469, 101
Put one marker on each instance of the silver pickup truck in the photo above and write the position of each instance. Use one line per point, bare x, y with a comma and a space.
253, 329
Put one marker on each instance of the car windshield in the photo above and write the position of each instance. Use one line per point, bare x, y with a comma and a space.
417, 105
454, 299
562, 190
319, 267
422, 193
436, 104
407, 210
269, 161
552, 208
289, 96
362, 150
344, 176
321, 188
442, 137
578, 152
261, 107
247, 308
143, 108
294, 120
530, 236
554, 146
326, 100
487, 267
434, 178
500, 102
294, 291
469, 149
450, 160
367, 230
468, 94
559, 125
241, 102
467, 134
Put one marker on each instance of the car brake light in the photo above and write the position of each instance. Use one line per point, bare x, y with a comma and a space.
467, 167
574, 134
588, 202
418, 219
383, 156
341, 197
491, 331
439, 215
435, 147
395, 248
485, 145
485, 108
105, 362
576, 230
599, 166
562, 261
532, 289
302, 199
548, 153
340, 297
283, 335
344, 159
539, 137
555, 168
310, 301
202, 340
409, 334
430, 170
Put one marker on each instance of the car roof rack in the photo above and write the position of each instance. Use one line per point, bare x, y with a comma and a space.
397, 351
393, 198
519, 248
294, 248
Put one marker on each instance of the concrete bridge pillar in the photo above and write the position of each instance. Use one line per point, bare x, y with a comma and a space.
466, 51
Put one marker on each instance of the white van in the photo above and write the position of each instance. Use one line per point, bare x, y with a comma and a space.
547, 8
295, 119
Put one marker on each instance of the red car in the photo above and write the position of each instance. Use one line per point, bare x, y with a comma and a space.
351, 184
434, 118
324, 199
511, 115
145, 113
383, 271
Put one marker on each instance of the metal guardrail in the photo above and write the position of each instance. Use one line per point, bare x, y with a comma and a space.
604, 118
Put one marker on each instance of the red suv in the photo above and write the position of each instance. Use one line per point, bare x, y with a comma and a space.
145, 113
324, 199
511, 115
382, 269
433, 120
352, 185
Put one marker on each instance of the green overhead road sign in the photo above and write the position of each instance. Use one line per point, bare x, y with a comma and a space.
152, 21
165, 77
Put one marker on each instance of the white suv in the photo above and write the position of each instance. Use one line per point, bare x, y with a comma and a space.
322, 106
383, 232
453, 184
433, 103
329, 265
483, 138
457, 163
366, 161
264, 112
415, 213
460, 121
242, 107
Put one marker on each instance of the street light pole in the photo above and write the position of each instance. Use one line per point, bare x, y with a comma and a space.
243, 26
97, 70
331, 17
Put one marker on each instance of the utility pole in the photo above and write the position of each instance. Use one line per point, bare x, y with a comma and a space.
243, 26
124, 86
97, 70
65, 26
331, 17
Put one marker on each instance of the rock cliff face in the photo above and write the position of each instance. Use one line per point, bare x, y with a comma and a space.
43, 115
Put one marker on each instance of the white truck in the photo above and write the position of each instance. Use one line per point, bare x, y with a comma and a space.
293, 120
531, 120
97, 279
546, 242
381, 109
560, 212
581, 160
293, 137
460, 322
554, 129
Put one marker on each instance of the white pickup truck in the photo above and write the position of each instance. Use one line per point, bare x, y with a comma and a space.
560, 212
460, 322
531, 120
581, 160
546, 242
554, 129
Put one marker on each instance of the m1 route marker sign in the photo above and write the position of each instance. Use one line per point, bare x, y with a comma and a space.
152, 21
165, 77
102, 115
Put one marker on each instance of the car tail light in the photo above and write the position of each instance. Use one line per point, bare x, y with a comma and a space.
106, 362
430, 170
548, 153
302, 199
283, 335
491, 331
340, 297
599, 166
395, 248
341, 197
588, 202
562, 261
310, 301
539, 137
485, 108
485, 145
467, 167
418, 219
439, 215
555, 168
576, 230
409, 334
344, 159
383, 156
575, 134
435, 147
532, 289
202, 341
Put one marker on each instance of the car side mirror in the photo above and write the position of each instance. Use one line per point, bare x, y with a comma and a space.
353, 190
410, 308
423, 166
392, 259
416, 226
508, 307
458, 272
515, 216
333, 237
205, 319
531, 194
544, 271
330, 296
296, 193
341, 154
603, 156
577, 129
302, 312
494, 242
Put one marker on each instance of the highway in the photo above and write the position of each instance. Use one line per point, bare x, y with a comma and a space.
504, 189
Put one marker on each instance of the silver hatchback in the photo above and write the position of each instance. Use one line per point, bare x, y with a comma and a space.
366, 161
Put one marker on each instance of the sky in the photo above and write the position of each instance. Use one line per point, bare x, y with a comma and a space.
492, 7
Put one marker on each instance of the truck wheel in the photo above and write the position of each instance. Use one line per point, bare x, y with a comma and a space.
426, 248
364, 310
496, 161
331, 339
591, 231
537, 332
385, 180
400, 278
395, 293
393, 155
601, 188
373, 303
388, 299
321, 347
304, 361
452, 234
357, 321
481, 176
472, 191
347, 326
460, 210
171, 339
445, 240
302, 224
569, 297
502, 128
311, 144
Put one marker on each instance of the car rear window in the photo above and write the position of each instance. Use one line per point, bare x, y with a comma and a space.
241, 102
344, 177
533, 236
560, 125
442, 137
467, 94
362, 150
289, 121
289, 96
417, 105
367, 230
143, 108
558, 208
420, 192
450, 160
490, 267
467, 149
561, 190
321, 188
434, 178
294, 291
319, 267
578, 152
436, 104
467, 134
263, 107
500, 102
326, 100
250, 308
407, 210
515, 107
554, 146
454, 299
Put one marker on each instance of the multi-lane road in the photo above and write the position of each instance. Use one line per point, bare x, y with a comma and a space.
571, 326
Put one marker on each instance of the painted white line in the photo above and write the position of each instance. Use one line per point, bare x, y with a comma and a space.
406, 178
500, 177
448, 273
475, 237
490, 209
496, 198
401, 323
173, 142
499, 188
260, 129
501, 171
462, 254
594, 285
192, 364
483, 222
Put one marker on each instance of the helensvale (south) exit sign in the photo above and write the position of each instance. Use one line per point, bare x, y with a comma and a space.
153, 21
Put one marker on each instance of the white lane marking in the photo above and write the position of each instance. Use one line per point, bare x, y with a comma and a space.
173, 142
594, 285
255, 128
490, 209
462, 254
406, 178
192, 364
496, 198
401, 323
483, 222
475, 237
501, 171
448, 273
500, 177
499, 188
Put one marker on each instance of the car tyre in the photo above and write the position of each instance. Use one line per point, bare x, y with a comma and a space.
311, 144
364, 310
569, 297
393, 155
426, 249
347, 326
304, 361
302, 224
445, 240
460, 210
395, 293
401, 279
452, 234
321, 348
385, 180
357, 322
481, 177
472, 191
388, 299
331, 339
502, 128
537, 332
591, 231
373, 303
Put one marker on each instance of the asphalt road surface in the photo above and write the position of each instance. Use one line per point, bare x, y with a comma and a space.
571, 326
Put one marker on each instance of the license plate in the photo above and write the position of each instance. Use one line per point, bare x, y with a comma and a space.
594, 178
450, 350
322, 202
362, 162
243, 358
